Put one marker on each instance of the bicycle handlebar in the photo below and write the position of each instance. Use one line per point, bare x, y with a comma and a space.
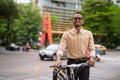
71, 66
76, 65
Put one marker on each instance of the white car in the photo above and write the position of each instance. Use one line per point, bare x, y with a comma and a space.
50, 52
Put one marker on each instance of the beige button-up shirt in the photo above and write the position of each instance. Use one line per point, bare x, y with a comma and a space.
77, 43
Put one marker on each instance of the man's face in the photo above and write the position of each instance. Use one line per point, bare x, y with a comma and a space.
78, 20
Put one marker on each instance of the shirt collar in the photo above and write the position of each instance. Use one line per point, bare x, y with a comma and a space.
81, 30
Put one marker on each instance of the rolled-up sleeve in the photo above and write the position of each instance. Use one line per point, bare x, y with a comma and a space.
62, 45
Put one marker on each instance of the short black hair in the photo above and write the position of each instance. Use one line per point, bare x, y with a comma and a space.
78, 12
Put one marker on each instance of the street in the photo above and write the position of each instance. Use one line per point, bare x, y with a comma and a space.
27, 66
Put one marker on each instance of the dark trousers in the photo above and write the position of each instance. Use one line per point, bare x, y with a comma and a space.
81, 73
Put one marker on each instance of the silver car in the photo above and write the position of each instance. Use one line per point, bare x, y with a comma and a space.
50, 52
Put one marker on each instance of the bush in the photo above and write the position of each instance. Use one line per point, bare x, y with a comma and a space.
35, 46
56, 40
111, 45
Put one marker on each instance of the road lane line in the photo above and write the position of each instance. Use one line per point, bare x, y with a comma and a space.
37, 69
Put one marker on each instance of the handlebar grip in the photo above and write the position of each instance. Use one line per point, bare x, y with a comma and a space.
52, 66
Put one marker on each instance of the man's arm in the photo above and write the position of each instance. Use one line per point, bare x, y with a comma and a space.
60, 51
92, 51
91, 46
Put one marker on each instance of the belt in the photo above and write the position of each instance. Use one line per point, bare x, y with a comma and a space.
78, 59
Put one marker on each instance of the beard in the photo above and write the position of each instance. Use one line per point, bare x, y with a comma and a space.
77, 25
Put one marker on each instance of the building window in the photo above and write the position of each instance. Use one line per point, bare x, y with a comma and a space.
117, 1
63, 4
109, 0
59, 4
79, 1
77, 6
47, 2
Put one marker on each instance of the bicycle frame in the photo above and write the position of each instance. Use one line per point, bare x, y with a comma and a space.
60, 73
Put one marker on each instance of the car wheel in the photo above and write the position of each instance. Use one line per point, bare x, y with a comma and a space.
42, 58
54, 57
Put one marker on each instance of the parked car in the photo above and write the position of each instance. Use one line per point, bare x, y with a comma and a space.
12, 47
50, 52
118, 47
101, 48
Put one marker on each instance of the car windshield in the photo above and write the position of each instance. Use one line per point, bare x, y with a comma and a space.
53, 46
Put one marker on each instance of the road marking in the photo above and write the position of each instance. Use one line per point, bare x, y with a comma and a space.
37, 69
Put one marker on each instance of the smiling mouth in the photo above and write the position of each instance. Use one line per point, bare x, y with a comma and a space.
77, 25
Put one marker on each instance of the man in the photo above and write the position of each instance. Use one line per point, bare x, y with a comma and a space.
78, 41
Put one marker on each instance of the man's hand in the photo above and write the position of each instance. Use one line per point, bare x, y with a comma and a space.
91, 62
58, 62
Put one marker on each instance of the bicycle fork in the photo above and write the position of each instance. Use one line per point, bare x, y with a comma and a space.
72, 76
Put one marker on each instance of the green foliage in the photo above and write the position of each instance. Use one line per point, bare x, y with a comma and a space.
102, 18
8, 9
56, 39
98, 15
54, 18
116, 19
35, 46
19, 23
8, 12
2, 27
28, 25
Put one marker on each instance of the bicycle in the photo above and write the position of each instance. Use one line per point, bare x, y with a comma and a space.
60, 73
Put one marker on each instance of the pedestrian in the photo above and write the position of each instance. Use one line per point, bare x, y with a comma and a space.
97, 54
77, 41
28, 47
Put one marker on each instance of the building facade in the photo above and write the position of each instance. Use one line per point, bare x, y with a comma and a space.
63, 9
117, 2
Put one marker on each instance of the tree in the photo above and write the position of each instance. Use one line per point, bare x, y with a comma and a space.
28, 25
8, 12
115, 39
116, 19
98, 15
100, 18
